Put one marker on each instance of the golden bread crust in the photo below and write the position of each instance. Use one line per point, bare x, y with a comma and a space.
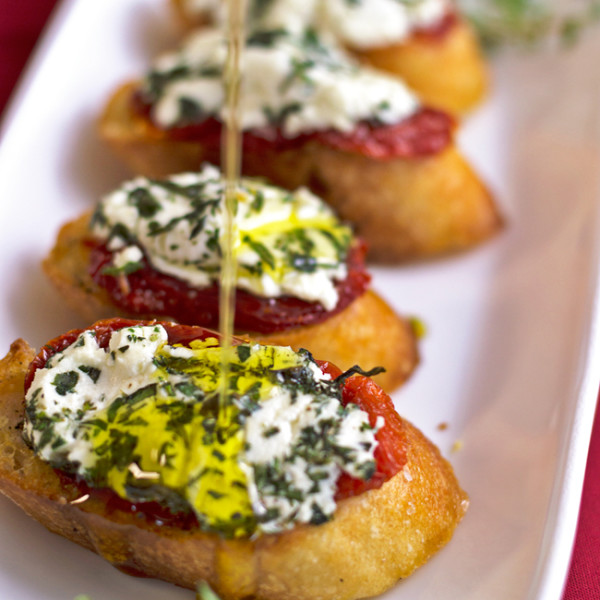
188, 20
374, 540
367, 332
403, 208
448, 72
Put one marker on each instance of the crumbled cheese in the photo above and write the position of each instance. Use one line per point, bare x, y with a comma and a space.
280, 432
126, 256
295, 81
84, 378
375, 23
285, 243
359, 24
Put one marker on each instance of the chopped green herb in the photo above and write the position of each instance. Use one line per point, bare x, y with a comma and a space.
271, 431
216, 495
190, 111
258, 202
92, 372
243, 352
266, 38
126, 269
146, 204
262, 251
418, 326
204, 592
66, 382
300, 69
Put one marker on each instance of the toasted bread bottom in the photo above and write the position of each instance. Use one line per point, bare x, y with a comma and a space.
403, 208
374, 539
367, 332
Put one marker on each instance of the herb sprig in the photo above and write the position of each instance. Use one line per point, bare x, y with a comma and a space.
529, 22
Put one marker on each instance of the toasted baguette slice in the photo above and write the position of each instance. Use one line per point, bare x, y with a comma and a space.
403, 208
446, 69
374, 539
367, 332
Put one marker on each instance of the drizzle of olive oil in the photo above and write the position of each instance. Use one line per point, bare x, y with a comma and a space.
231, 143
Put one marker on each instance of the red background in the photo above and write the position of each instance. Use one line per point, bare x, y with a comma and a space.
21, 23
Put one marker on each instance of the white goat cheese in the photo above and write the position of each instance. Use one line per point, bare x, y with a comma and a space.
285, 243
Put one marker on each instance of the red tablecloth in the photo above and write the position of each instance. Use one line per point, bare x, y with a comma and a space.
21, 22
583, 582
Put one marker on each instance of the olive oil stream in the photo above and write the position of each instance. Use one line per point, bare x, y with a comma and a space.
231, 144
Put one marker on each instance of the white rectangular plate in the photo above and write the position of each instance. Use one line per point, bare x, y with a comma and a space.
510, 361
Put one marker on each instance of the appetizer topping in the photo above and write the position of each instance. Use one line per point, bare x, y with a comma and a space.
357, 23
375, 23
291, 80
141, 416
286, 243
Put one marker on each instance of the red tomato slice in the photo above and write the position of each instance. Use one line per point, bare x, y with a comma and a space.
390, 454
149, 292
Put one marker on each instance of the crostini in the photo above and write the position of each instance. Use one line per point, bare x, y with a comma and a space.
152, 248
425, 42
311, 117
307, 485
